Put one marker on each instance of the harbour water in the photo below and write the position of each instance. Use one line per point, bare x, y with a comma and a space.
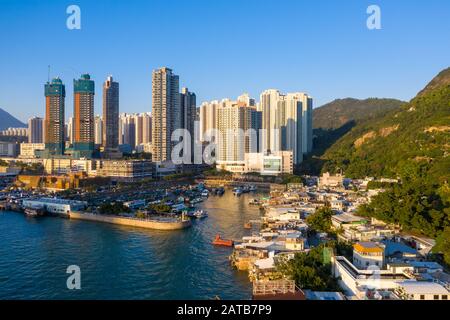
119, 262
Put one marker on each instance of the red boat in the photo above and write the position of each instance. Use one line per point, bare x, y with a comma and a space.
222, 242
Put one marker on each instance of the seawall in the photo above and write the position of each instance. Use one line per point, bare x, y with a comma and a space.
132, 222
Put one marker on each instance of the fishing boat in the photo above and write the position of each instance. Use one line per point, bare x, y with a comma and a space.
222, 242
237, 191
200, 214
220, 191
252, 188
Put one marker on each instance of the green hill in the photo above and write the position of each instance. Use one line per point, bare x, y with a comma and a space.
333, 120
414, 137
337, 113
411, 143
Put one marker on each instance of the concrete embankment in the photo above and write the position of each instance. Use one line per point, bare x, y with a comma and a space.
133, 222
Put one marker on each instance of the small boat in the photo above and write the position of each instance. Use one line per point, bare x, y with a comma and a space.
252, 188
254, 201
205, 193
34, 212
200, 214
222, 242
247, 225
237, 191
196, 200
220, 191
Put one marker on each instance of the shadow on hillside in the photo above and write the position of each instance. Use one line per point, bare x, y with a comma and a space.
323, 140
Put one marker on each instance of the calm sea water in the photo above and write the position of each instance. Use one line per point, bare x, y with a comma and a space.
124, 263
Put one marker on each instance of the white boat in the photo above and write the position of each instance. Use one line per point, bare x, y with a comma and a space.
205, 193
237, 191
34, 212
200, 214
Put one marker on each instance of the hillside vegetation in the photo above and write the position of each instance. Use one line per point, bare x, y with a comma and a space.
413, 144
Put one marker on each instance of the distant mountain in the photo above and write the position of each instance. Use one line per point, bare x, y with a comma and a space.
337, 113
7, 121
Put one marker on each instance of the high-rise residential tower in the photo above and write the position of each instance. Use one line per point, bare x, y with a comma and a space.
55, 94
287, 122
165, 112
188, 112
83, 113
70, 126
110, 115
237, 123
98, 130
147, 128
208, 118
268, 105
307, 126
36, 130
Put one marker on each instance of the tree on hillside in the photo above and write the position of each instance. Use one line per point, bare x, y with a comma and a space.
320, 221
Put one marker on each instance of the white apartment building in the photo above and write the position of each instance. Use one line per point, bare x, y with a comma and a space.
28, 150
287, 122
98, 130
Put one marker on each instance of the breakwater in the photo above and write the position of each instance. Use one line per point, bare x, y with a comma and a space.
132, 222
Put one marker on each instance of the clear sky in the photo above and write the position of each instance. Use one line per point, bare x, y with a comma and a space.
221, 48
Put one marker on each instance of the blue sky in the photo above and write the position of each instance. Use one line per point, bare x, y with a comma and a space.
221, 48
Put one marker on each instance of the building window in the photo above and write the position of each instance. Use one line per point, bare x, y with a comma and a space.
444, 297
436, 297
422, 297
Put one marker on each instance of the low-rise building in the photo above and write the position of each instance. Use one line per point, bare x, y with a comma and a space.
9, 149
357, 281
328, 180
366, 254
126, 170
421, 290
276, 163
28, 150
55, 206
340, 220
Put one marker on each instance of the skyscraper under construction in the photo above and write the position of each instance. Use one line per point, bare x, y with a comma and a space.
83, 113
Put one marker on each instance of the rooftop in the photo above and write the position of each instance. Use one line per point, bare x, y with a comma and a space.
422, 287
348, 218
368, 247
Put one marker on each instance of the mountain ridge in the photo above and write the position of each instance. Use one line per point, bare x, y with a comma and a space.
341, 111
9, 121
